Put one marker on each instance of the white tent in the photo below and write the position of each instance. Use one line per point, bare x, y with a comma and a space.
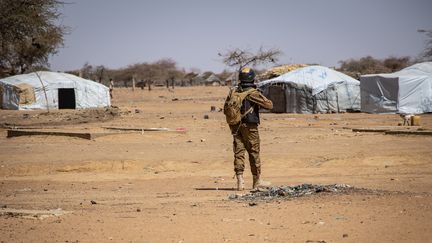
41, 90
407, 91
313, 89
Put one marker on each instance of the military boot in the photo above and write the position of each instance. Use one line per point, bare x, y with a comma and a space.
258, 183
240, 182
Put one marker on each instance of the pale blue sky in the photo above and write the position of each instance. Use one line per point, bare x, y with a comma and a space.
192, 32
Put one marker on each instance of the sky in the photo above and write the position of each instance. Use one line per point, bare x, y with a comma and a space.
117, 33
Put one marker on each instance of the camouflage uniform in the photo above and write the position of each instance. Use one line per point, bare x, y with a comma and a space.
245, 134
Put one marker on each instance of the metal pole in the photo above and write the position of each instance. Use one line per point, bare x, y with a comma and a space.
43, 87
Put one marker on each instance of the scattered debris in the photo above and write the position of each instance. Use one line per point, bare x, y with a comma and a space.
26, 189
32, 214
93, 202
291, 191
60, 118
212, 108
231, 220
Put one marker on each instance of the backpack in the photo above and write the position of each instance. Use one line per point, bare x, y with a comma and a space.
233, 104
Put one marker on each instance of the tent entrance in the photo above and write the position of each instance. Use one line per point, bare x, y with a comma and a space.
379, 94
66, 99
277, 96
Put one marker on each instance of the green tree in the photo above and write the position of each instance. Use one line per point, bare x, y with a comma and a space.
29, 34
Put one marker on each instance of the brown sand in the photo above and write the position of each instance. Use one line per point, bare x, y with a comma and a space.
174, 187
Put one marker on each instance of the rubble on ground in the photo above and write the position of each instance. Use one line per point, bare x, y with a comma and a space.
292, 191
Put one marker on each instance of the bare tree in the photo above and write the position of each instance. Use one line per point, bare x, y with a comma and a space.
87, 71
149, 73
367, 65
240, 58
427, 52
100, 73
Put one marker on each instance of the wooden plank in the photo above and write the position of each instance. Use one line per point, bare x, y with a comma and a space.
385, 129
154, 129
428, 133
84, 135
370, 130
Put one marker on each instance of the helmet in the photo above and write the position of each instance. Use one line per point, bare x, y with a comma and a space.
247, 75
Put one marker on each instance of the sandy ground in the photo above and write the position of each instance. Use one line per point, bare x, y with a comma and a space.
174, 187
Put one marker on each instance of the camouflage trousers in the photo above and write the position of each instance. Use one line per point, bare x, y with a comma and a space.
246, 139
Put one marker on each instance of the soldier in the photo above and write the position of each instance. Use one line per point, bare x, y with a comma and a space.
245, 134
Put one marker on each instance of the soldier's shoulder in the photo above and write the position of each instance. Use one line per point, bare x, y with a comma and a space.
256, 92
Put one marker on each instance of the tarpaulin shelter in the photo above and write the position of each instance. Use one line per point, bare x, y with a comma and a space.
53, 90
408, 91
312, 89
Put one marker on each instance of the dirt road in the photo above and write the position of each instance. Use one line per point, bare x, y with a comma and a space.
167, 186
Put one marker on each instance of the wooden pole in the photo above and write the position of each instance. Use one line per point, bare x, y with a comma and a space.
44, 89
133, 83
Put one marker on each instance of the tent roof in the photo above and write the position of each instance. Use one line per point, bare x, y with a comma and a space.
280, 70
48, 78
233, 76
213, 78
316, 77
419, 69
424, 68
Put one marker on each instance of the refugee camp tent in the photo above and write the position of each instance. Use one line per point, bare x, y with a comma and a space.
208, 79
213, 80
312, 89
41, 90
408, 91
